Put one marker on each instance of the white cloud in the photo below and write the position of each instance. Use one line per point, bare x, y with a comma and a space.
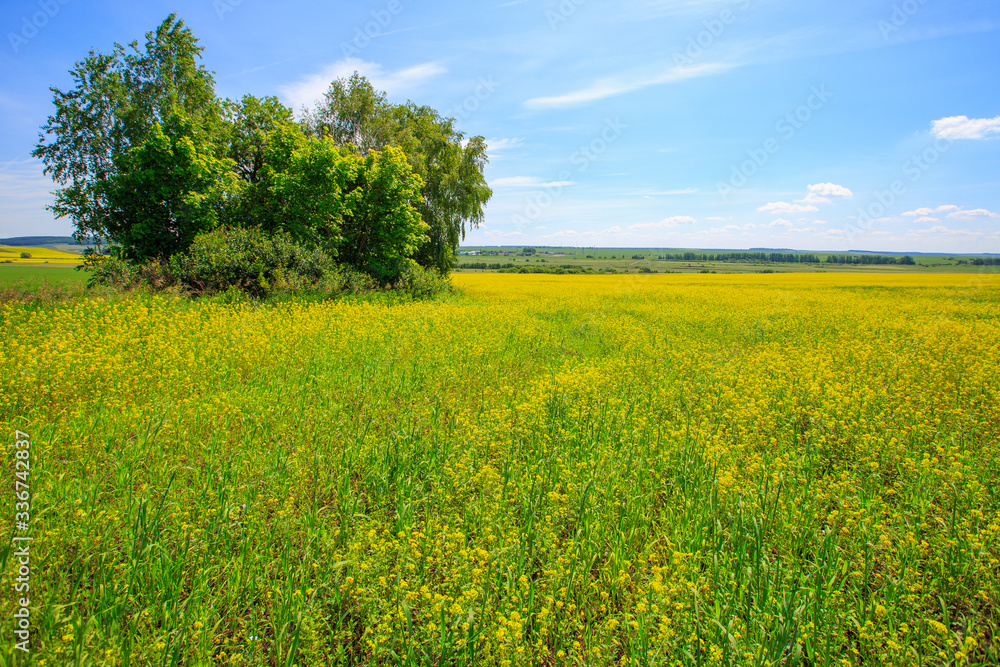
308, 90
785, 207
494, 145
780, 222
625, 83
820, 193
496, 233
953, 212
973, 214
561, 234
927, 218
671, 193
25, 191
667, 223
944, 231
610, 230
528, 182
963, 127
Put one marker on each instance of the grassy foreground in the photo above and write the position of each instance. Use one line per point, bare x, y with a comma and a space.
558, 470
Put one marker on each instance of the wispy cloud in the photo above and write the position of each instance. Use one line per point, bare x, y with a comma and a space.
821, 193
785, 207
666, 223
528, 182
625, 83
25, 192
973, 214
953, 211
309, 89
963, 127
667, 193
495, 145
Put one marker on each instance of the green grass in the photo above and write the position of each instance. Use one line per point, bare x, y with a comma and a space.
27, 275
621, 260
768, 470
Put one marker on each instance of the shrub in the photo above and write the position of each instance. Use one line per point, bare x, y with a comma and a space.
25, 255
113, 271
249, 260
420, 282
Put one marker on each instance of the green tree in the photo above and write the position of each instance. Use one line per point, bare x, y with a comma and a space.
249, 125
117, 100
384, 229
353, 112
165, 191
455, 192
303, 189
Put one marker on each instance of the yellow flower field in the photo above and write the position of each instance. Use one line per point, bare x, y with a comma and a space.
785, 469
13, 254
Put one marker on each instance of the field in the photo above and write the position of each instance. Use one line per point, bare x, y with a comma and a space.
33, 275
13, 255
636, 260
794, 469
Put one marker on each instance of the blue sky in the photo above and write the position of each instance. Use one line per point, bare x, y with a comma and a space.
869, 124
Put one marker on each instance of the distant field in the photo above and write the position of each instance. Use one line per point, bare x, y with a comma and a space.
38, 255
33, 273
647, 260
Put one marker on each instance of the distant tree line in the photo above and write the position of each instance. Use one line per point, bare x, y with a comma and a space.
985, 261
870, 259
772, 257
148, 158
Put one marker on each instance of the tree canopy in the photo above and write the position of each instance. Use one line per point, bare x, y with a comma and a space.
117, 101
148, 157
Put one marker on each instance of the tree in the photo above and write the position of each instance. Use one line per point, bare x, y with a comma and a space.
357, 208
384, 229
165, 191
117, 100
455, 190
249, 126
304, 189
353, 112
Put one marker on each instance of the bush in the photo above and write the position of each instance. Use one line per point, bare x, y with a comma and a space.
249, 260
112, 271
25, 255
420, 282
